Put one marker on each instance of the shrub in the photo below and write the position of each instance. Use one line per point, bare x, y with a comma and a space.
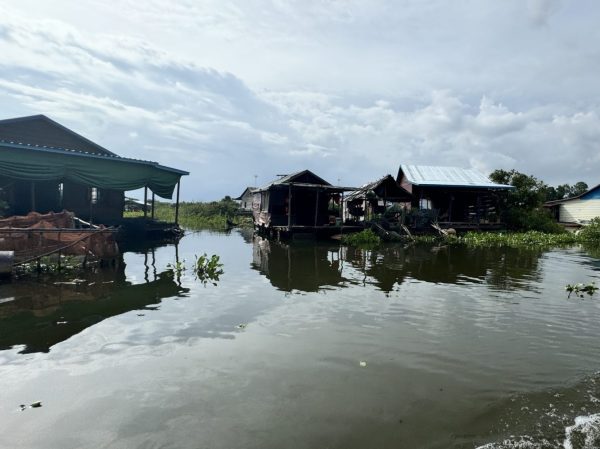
365, 237
591, 232
532, 220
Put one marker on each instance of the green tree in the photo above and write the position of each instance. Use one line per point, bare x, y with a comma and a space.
522, 207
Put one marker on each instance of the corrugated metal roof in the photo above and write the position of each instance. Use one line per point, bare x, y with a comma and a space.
426, 175
365, 188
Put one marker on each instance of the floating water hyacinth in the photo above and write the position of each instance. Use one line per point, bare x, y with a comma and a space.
581, 290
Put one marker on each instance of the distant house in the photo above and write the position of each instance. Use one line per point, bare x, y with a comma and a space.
245, 198
374, 198
451, 194
577, 210
47, 167
300, 202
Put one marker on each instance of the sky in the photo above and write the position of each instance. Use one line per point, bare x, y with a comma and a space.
237, 92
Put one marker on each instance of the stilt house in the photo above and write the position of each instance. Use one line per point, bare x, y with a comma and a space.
456, 197
375, 198
246, 198
300, 202
46, 167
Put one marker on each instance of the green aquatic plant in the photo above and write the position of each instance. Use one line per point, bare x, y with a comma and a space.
177, 268
506, 239
208, 269
581, 290
365, 237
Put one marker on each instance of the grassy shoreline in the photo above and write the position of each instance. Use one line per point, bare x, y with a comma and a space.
198, 215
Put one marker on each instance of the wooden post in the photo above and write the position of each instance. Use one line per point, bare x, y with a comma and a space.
177, 203
153, 205
289, 207
145, 201
341, 213
316, 208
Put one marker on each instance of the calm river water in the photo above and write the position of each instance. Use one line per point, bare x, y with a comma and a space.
306, 346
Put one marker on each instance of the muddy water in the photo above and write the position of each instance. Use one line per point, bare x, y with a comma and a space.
305, 346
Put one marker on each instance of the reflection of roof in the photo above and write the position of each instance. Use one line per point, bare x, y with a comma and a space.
425, 175
577, 197
248, 189
361, 192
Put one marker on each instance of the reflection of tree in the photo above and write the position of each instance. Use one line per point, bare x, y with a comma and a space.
44, 314
306, 266
513, 268
506, 268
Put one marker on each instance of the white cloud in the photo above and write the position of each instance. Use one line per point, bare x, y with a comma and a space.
349, 89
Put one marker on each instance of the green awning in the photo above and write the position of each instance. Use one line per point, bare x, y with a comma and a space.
33, 163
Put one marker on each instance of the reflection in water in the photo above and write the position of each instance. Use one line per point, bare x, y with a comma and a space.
311, 266
454, 359
40, 314
305, 266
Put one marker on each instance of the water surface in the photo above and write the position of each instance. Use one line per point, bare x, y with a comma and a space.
304, 345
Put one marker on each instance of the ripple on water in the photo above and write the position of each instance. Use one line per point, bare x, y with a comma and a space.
583, 434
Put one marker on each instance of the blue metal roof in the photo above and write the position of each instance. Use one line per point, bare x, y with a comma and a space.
426, 175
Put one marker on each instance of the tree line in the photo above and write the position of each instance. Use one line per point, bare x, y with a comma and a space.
523, 207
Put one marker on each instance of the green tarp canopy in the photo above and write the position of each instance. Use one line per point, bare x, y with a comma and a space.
32, 163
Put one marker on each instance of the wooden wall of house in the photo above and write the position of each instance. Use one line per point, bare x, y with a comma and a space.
579, 210
457, 204
107, 209
46, 197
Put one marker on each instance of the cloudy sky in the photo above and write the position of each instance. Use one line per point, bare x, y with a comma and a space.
350, 89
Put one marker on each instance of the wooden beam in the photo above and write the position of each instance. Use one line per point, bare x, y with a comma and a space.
177, 204
145, 201
153, 205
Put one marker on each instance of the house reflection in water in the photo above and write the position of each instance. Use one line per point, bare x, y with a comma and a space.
310, 266
499, 268
38, 314
305, 266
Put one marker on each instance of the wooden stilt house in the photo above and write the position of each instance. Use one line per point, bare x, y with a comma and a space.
298, 203
46, 167
455, 197
374, 199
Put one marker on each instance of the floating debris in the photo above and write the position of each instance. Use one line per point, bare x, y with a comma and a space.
363, 364
37, 404
241, 326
